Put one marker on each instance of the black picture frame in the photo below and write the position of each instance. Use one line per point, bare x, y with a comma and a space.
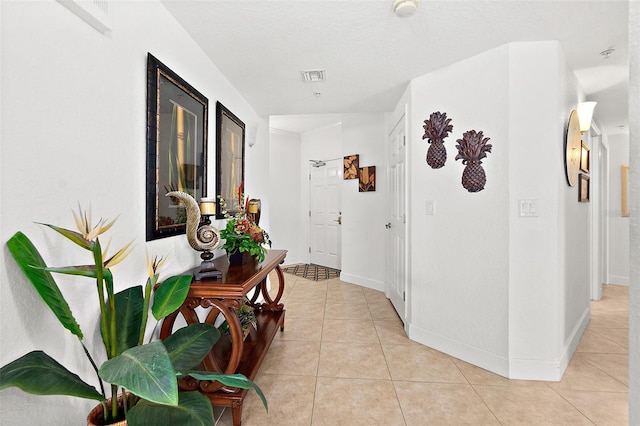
230, 155
177, 120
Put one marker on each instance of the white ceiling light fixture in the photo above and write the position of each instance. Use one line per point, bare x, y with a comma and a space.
405, 8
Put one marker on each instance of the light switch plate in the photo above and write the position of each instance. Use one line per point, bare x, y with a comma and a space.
431, 208
528, 208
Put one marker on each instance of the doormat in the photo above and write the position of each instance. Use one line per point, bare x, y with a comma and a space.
312, 272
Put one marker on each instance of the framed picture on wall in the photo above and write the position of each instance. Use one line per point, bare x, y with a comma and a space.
583, 188
176, 148
351, 166
585, 158
230, 137
367, 182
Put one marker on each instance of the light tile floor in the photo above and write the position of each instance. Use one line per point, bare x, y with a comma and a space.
344, 359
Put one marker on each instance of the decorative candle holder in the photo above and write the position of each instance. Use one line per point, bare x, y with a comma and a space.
201, 234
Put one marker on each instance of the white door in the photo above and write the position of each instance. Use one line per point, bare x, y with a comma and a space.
396, 283
324, 213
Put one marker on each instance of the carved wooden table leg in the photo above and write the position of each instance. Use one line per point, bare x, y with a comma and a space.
236, 413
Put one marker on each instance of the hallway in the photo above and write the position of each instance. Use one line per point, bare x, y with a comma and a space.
343, 359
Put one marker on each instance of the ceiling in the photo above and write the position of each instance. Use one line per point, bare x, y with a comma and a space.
370, 54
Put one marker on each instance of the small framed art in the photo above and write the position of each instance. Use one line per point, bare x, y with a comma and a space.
367, 177
583, 188
351, 166
585, 158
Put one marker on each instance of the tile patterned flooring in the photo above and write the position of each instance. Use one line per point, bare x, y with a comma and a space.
323, 370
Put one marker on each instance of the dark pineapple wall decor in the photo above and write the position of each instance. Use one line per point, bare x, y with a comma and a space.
436, 129
472, 148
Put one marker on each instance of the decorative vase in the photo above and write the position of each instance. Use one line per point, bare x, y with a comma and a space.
96, 416
239, 258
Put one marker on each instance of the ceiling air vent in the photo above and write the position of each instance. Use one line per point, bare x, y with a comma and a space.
314, 75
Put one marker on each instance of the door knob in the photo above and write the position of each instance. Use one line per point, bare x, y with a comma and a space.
388, 225
339, 220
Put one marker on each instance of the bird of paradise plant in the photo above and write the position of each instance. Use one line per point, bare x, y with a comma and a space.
149, 371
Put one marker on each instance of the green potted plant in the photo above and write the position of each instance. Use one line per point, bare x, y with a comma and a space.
148, 372
242, 234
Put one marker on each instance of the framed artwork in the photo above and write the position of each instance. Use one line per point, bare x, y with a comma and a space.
351, 166
624, 190
585, 158
583, 188
367, 177
176, 148
230, 137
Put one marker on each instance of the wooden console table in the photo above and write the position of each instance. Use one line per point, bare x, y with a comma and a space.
232, 354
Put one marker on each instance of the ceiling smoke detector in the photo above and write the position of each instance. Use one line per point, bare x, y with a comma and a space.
405, 8
314, 76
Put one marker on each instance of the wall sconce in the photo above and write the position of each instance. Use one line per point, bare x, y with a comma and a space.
252, 135
585, 113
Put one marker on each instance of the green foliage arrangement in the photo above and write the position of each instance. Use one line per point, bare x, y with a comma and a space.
149, 372
242, 235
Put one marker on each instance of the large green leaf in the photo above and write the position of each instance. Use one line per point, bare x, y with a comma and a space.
234, 380
29, 260
74, 236
146, 371
129, 306
189, 345
193, 409
82, 270
170, 295
39, 374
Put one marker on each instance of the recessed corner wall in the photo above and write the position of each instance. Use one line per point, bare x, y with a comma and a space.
459, 255
498, 290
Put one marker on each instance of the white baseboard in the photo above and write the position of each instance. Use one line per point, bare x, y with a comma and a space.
550, 370
471, 354
618, 280
513, 368
362, 281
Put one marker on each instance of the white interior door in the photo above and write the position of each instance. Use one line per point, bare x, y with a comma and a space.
325, 213
396, 283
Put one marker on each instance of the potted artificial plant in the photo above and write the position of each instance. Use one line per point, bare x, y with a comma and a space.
242, 234
148, 372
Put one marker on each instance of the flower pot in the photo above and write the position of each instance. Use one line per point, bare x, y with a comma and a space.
96, 416
239, 258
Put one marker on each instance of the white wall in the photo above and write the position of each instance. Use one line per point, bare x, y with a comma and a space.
634, 227
459, 256
73, 130
618, 225
285, 183
364, 213
506, 293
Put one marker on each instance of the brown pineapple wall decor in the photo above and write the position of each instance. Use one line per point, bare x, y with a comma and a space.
436, 129
472, 148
